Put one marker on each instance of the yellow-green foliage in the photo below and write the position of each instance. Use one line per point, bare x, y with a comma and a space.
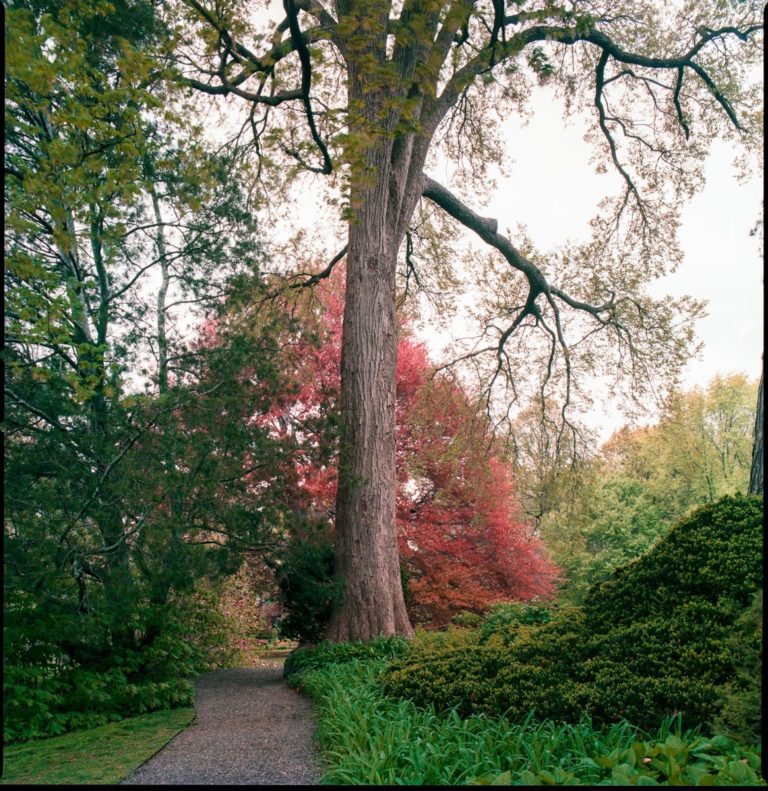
655, 639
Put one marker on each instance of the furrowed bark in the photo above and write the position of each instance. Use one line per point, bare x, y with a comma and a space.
756, 473
367, 557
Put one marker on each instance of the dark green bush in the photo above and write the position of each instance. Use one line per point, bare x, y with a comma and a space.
308, 589
740, 699
655, 639
714, 554
55, 694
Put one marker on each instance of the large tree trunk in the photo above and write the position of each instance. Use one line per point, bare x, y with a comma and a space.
366, 539
367, 557
756, 473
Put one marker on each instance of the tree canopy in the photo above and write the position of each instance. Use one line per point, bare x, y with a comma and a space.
370, 93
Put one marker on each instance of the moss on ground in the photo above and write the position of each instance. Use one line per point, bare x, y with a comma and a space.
104, 755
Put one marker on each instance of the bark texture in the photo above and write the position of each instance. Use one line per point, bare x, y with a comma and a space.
366, 538
366, 535
756, 473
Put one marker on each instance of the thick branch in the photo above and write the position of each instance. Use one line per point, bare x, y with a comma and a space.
504, 50
306, 80
252, 63
486, 229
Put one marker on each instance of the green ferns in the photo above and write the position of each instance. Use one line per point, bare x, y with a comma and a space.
655, 639
54, 694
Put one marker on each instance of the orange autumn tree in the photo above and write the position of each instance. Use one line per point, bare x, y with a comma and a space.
461, 538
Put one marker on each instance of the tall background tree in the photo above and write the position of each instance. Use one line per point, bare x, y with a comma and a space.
133, 469
610, 509
368, 92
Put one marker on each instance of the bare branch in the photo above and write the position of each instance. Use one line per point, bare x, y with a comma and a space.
306, 80
485, 59
599, 78
316, 278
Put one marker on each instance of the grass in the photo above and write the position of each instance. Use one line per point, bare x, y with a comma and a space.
368, 738
104, 755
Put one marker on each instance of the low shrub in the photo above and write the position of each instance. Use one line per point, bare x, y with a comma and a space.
503, 618
511, 674
506, 613
369, 738
326, 654
40, 702
655, 639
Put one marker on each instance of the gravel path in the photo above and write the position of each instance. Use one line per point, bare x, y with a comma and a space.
250, 729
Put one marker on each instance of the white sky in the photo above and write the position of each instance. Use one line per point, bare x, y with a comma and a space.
722, 262
554, 191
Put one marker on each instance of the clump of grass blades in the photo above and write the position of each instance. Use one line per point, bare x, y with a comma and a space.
369, 738
325, 653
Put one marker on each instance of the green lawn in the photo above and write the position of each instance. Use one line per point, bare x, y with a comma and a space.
103, 755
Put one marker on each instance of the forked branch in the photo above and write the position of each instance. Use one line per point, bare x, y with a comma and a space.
487, 230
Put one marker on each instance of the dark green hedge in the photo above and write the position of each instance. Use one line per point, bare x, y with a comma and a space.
658, 637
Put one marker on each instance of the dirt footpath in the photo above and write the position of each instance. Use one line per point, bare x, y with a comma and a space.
250, 728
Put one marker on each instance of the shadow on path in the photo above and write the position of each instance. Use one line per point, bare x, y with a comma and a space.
250, 728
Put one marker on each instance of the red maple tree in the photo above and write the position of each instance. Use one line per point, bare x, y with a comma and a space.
461, 538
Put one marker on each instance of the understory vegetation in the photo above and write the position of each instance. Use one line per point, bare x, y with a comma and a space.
627, 689
367, 737
192, 472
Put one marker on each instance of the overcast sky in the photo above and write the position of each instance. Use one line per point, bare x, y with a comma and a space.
554, 191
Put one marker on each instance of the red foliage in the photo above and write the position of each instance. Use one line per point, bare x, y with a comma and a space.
460, 535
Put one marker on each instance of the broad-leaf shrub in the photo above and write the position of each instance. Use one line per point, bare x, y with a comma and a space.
56, 694
654, 639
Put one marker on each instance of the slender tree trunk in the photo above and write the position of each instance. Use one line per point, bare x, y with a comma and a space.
756, 473
162, 338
